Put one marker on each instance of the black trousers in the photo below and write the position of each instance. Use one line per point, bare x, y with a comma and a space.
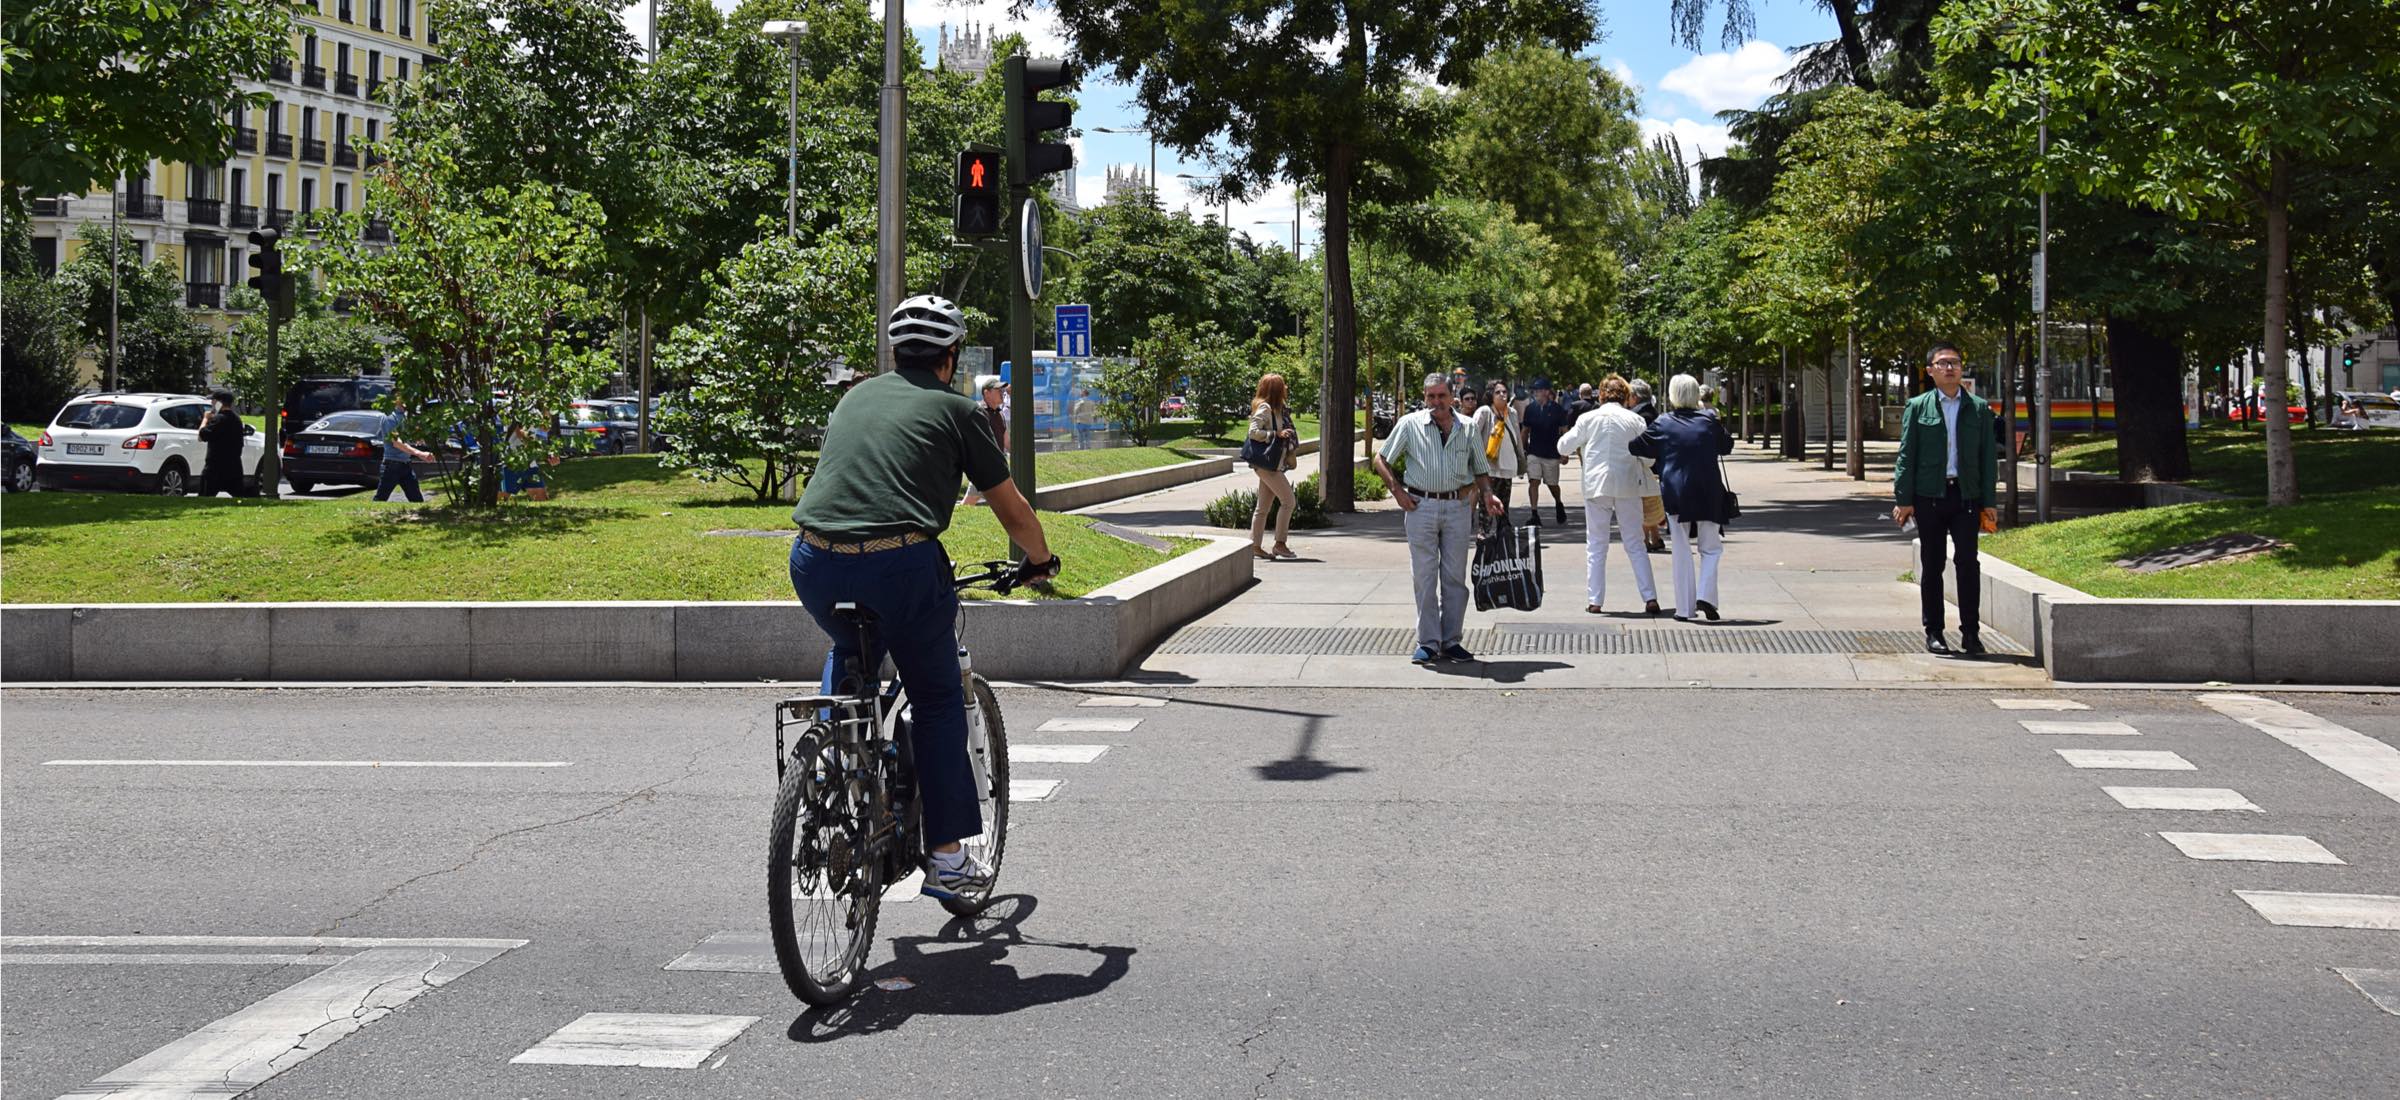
401, 476
1953, 519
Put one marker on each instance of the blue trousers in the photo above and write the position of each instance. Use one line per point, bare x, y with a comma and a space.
916, 612
401, 476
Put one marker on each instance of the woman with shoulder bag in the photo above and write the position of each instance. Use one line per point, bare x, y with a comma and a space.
1270, 450
1501, 431
1688, 441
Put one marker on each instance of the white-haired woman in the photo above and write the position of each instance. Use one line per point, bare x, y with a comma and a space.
1613, 485
1688, 441
990, 393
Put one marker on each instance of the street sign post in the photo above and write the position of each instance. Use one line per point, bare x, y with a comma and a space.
1073, 326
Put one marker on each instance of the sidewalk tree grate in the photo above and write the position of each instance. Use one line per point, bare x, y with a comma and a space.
1530, 639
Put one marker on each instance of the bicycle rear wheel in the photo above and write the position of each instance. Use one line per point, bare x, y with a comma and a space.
822, 894
987, 753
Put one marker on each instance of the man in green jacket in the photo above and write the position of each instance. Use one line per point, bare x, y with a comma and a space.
1948, 461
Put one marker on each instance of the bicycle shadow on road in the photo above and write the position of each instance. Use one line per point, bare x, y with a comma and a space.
962, 971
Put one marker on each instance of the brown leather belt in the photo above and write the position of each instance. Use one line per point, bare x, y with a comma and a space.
1454, 494
870, 546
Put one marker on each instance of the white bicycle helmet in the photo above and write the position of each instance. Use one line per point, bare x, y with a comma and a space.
927, 320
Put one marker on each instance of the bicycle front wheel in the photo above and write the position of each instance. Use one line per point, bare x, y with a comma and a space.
822, 898
987, 753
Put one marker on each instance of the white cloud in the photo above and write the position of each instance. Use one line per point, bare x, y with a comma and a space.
1725, 81
1699, 139
1624, 74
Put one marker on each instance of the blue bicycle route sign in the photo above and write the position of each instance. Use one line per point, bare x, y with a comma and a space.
1074, 329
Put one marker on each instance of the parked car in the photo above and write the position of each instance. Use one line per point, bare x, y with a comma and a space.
2377, 410
22, 458
146, 442
1173, 406
612, 427
343, 449
312, 399
2250, 413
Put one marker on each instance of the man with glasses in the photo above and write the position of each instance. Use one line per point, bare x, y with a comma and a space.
1949, 460
1438, 474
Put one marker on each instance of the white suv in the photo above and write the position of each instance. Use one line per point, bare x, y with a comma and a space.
147, 442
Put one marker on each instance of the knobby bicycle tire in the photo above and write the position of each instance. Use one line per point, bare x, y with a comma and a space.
993, 844
786, 867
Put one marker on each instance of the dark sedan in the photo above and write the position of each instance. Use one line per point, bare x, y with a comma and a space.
343, 449
21, 458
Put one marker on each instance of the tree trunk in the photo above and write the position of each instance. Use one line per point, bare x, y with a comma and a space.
1334, 450
2149, 370
1854, 45
2283, 479
487, 490
1854, 456
1828, 406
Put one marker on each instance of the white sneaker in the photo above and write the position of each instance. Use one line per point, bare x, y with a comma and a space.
970, 877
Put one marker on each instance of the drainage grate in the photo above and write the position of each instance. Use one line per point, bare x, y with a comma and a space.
1562, 639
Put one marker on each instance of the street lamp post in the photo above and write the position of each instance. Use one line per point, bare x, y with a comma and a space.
791, 31
1298, 329
1224, 203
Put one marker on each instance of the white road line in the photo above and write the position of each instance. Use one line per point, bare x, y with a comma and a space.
2325, 910
1054, 754
2181, 798
649, 1040
120, 958
240, 1051
2336, 746
2080, 729
495, 946
2251, 847
2039, 704
1088, 725
2128, 759
1121, 701
1031, 790
2382, 987
305, 763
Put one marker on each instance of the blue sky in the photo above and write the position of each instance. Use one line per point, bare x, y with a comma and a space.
1681, 90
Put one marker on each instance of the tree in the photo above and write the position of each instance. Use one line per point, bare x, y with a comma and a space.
490, 291
94, 87
38, 337
161, 346
316, 341
781, 318
1316, 93
2213, 107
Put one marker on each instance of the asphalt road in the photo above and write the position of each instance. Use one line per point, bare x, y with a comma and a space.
1285, 893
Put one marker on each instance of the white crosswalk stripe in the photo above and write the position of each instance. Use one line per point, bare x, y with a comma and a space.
1088, 725
2382, 987
2039, 704
2080, 729
2180, 798
1031, 790
1121, 701
2127, 759
2325, 910
2251, 847
645, 1039
1054, 754
2336, 746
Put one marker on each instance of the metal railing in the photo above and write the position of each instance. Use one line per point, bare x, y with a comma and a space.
345, 156
374, 85
281, 69
245, 139
279, 145
313, 77
200, 211
148, 207
279, 218
49, 208
345, 83
378, 233
374, 159
244, 216
203, 295
312, 149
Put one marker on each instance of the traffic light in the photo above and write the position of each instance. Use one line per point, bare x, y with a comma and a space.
1030, 118
266, 260
978, 209
2349, 356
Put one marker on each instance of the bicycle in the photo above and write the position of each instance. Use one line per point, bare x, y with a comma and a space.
846, 825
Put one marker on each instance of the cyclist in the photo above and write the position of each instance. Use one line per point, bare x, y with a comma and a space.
870, 527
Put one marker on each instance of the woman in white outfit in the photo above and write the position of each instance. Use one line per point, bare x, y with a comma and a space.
1500, 431
1614, 483
1688, 443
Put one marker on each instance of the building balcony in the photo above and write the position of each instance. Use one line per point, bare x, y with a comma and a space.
242, 217
245, 139
146, 207
279, 145
345, 83
377, 232
201, 211
49, 208
374, 159
312, 149
203, 296
345, 157
374, 85
342, 12
313, 77
278, 218
375, 21
281, 69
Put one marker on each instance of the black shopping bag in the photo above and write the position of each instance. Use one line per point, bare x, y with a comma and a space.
1508, 568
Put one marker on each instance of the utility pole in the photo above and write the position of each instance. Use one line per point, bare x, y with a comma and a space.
2041, 312
891, 190
116, 203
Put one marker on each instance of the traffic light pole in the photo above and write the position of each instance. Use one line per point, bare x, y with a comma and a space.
270, 479
1020, 303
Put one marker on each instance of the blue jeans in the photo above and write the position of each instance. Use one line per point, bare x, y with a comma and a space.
916, 613
401, 476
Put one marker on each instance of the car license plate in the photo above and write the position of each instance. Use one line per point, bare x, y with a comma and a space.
86, 449
324, 450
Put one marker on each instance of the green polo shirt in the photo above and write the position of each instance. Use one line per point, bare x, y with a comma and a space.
894, 449
1436, 464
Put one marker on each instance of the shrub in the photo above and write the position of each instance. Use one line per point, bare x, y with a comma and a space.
1364, 485
1234, 508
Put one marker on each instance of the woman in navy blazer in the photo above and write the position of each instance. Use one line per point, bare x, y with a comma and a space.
1687, 441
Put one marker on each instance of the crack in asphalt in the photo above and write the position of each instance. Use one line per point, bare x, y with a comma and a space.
366, 1003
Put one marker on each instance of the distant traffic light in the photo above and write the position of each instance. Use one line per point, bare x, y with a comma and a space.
1030, 118
266, 263
2349, 356
978, 208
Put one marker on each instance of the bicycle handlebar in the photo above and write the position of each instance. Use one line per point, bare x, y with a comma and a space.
1004, 577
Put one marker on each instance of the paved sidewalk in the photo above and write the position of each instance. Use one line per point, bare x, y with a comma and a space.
1811, 592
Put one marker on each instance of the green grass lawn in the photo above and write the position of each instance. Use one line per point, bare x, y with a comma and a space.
1193, 439
619, 529
2233, 460
2343, 547
1060, 467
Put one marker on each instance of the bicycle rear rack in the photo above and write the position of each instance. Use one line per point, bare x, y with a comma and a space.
812, 710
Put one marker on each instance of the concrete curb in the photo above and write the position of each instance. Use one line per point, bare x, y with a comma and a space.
1096, 636
1075, 495
2081, 637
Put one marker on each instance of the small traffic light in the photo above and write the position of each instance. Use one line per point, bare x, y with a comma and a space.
978, 209
266, 263
2349, 356
1030, 119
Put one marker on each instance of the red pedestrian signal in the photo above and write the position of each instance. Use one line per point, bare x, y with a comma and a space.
978, 206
